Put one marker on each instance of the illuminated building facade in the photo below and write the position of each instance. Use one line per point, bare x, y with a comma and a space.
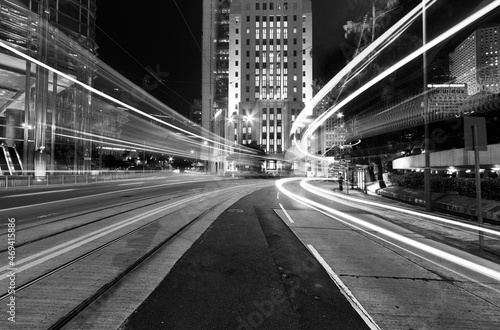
215, 74
270, 73
475, 61
39, 109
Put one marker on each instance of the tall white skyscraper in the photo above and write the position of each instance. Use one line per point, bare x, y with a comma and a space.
269, 73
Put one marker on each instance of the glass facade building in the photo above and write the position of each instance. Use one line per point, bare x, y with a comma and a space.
62, 109
40, 108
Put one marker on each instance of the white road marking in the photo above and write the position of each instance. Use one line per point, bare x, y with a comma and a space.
38, 193
286, 214
60, 249
95, 195
345, 290
129, 184
77, 242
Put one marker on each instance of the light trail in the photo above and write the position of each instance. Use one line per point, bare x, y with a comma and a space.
429, 45
411, 16
358, 223
60, 249
106, 96
127, 145
38, 193
328, 194
95, 195
55, 251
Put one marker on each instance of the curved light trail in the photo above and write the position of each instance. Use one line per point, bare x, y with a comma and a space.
385, 37
328, 194
355, 222
214, 139
429, 45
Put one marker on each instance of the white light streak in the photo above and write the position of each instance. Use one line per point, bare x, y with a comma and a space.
412, 15
320, 120
351, 221
93, 90
328, 194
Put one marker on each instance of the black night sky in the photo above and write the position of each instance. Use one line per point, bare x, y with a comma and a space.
165, 36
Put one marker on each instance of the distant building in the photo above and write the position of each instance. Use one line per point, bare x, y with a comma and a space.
475, 61
438, 71
215, 76
195, 112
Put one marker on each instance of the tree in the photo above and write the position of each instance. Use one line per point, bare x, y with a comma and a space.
376, 19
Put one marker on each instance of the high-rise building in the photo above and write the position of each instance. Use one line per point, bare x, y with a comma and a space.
269, 72
215, 73
475, 61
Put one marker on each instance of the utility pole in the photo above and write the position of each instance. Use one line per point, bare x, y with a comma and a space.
427, 169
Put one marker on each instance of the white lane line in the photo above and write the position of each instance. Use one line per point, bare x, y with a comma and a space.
60, 249
95, 195
278, 195
286, 214
345, 290
38, 193
129, 184
73, 244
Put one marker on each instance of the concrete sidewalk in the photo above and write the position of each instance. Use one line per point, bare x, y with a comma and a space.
404, 199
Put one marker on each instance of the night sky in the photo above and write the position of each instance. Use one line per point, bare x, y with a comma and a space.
159, 35
156, 35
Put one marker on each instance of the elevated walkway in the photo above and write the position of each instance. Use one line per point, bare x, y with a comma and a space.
457, 158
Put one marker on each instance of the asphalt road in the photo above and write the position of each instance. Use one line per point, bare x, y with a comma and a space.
33, 204
261, 261
248, 270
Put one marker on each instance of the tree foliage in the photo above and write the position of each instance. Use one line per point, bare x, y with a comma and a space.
376, 19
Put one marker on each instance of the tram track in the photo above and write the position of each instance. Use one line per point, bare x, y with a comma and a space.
95, 211
106, 264
87, 302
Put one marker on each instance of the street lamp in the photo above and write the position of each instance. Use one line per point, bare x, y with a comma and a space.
196, 158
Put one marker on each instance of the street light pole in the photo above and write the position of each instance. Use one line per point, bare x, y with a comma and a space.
427, 170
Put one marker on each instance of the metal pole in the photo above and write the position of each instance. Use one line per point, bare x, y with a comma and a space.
427, 170
347, 180
478, 186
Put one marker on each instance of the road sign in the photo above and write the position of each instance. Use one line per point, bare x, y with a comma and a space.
475, 139
477, 124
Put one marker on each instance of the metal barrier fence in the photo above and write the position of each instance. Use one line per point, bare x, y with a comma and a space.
10, 181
